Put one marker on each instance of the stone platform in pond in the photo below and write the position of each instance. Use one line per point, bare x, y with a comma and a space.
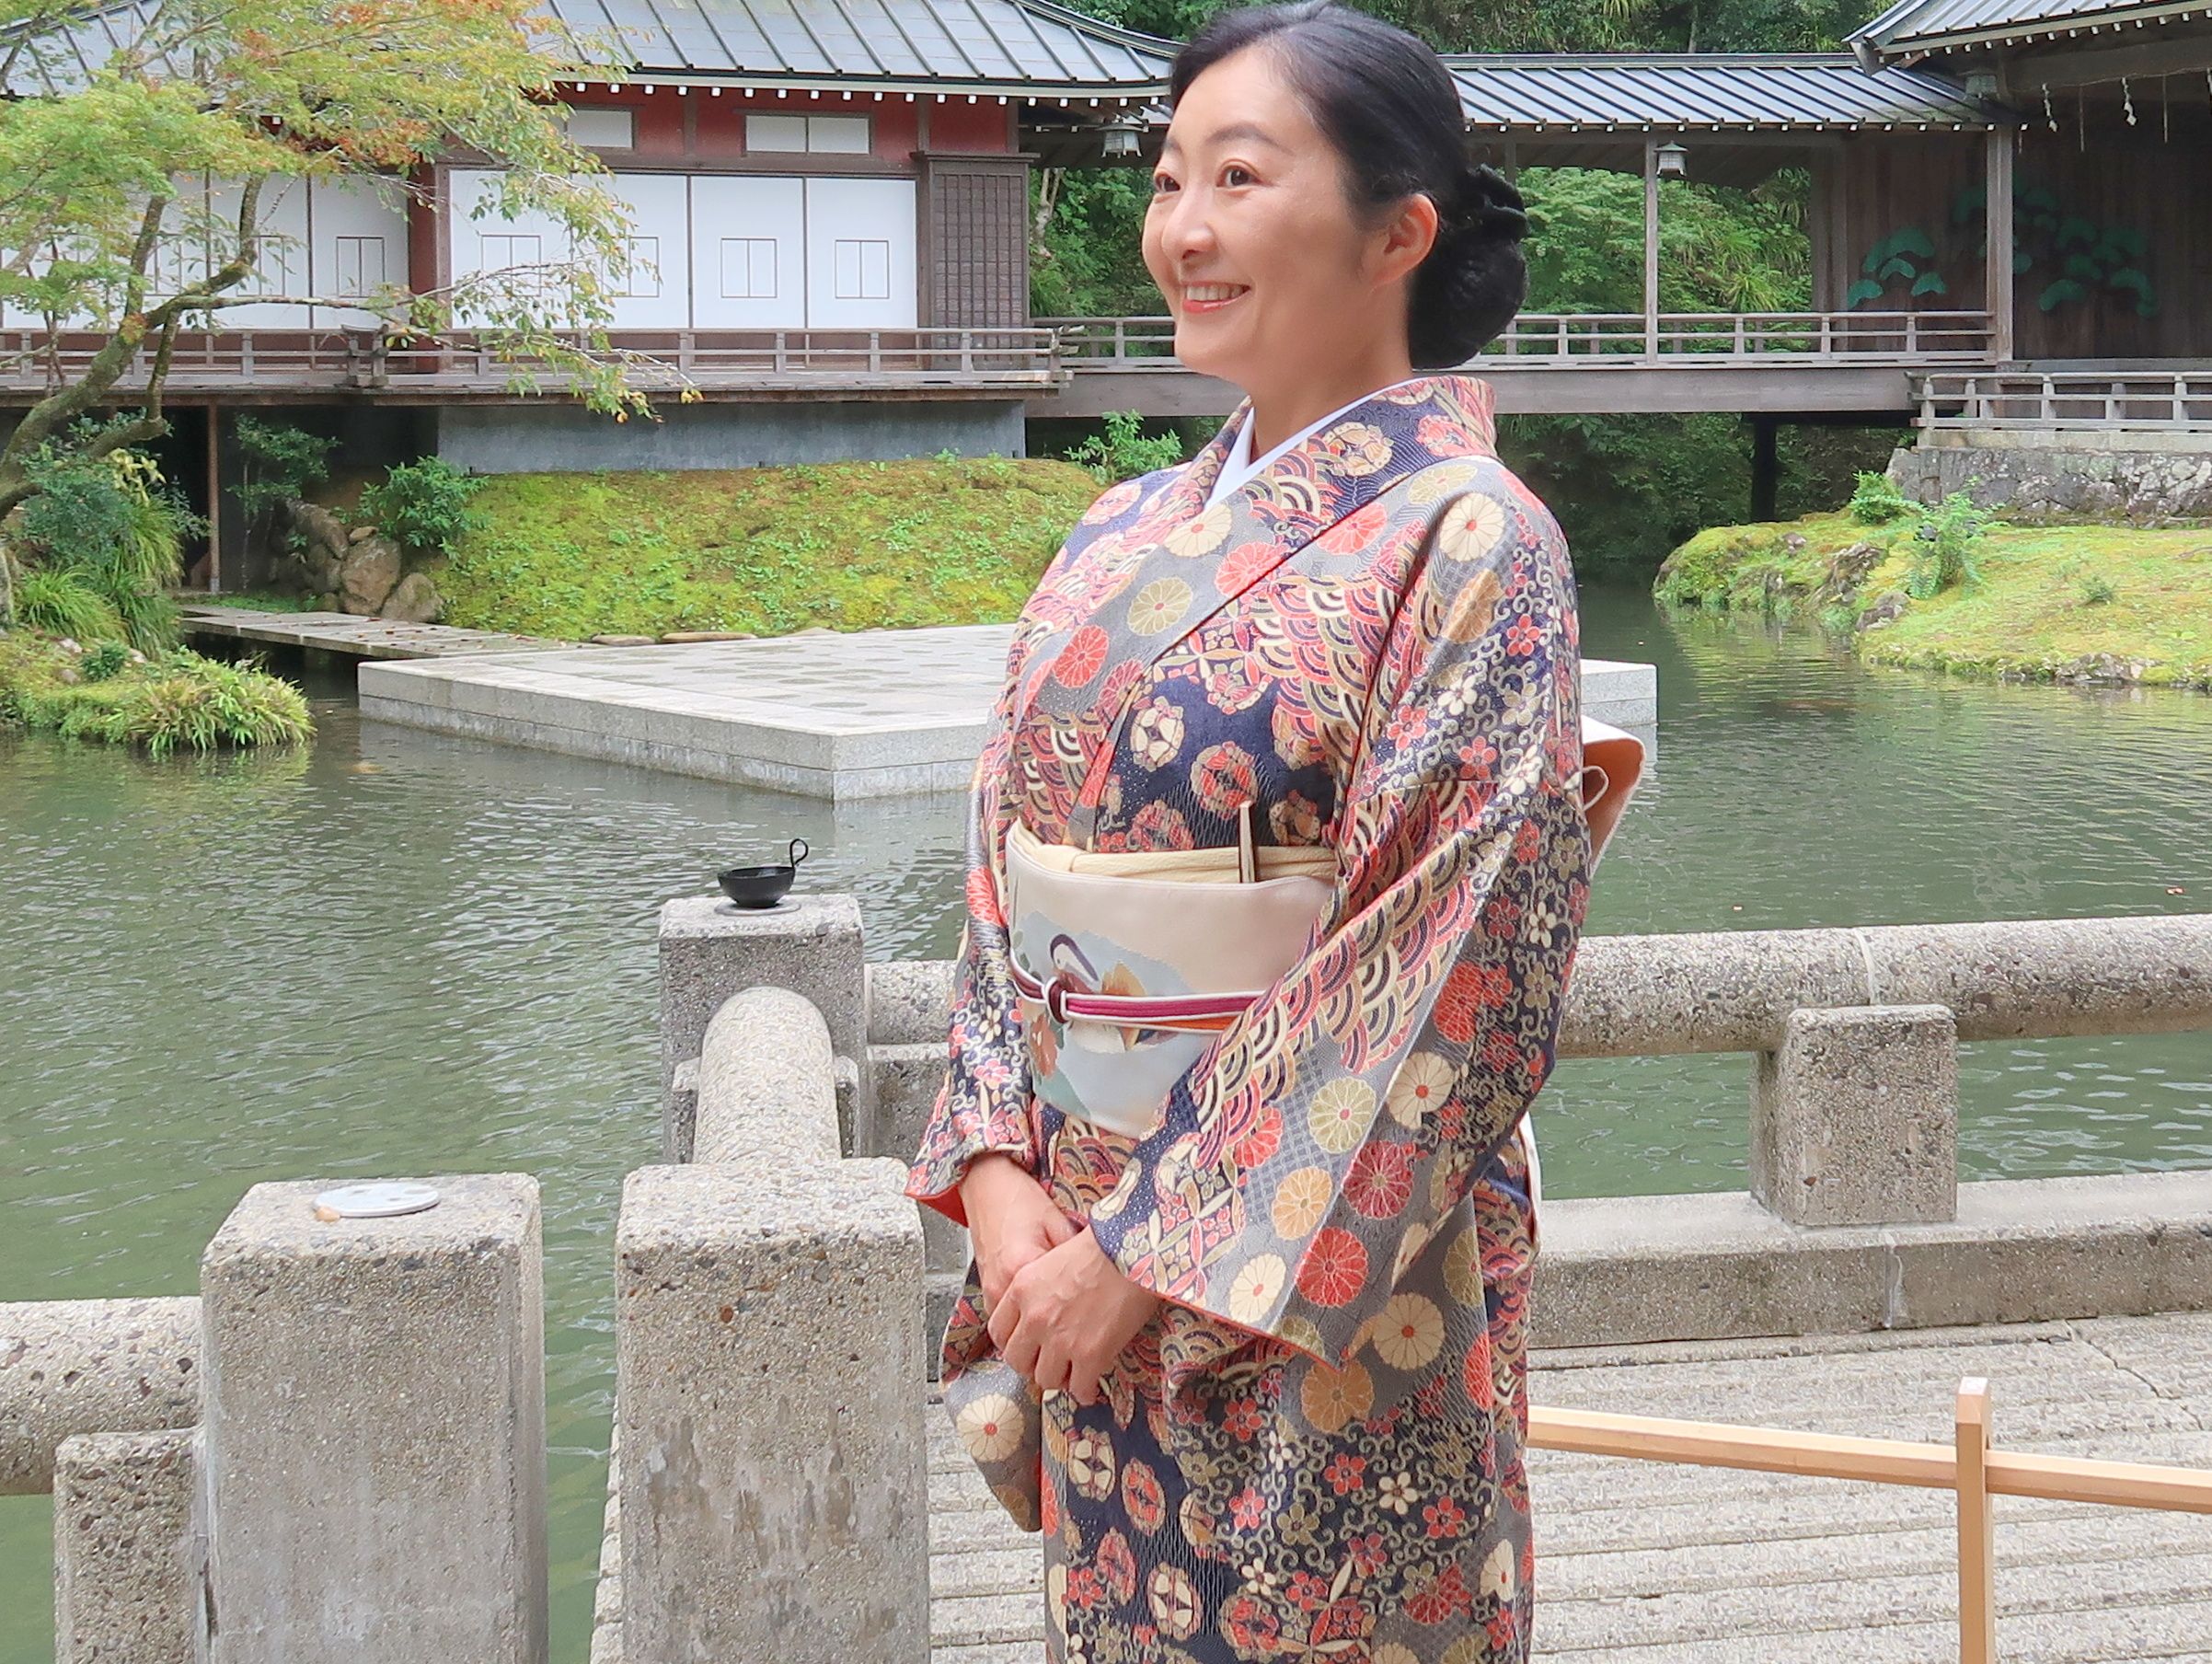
875, 713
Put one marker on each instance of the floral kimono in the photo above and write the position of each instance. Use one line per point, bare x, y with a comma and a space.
1314, 1452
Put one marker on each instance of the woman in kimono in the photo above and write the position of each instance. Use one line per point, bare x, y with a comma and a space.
1253, 1360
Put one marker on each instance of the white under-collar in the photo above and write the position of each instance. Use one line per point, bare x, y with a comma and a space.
1237, 469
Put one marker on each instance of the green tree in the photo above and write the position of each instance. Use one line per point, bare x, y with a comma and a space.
103, 226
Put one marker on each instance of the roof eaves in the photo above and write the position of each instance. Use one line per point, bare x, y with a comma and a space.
1890, 38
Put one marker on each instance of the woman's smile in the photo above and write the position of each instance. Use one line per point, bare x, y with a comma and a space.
1212, 297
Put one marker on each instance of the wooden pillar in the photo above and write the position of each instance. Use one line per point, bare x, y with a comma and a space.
1650, 246
1823, 173
1997, 267
1513, 164
215, 498
1766, 466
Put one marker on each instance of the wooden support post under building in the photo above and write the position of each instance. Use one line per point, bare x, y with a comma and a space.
1996, 266
215, 498
1651, 248
1766, 466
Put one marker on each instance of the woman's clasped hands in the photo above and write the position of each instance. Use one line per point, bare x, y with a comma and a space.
1060, 1310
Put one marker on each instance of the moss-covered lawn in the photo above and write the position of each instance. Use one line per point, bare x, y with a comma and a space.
2039, 612
849, 544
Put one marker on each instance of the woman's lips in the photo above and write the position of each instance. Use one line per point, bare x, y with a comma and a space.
1212, 297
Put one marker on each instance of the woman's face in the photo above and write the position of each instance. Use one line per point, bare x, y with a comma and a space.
1267, 271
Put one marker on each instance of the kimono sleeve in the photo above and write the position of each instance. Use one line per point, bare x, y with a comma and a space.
984, 1105
1305, 1161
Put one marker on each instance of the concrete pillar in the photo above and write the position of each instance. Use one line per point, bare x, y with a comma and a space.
1855, 1117
92, 1366
709, 951
771, 1457
375, 1426
130, 1549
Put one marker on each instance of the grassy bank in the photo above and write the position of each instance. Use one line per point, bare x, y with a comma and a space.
164, 702
2054, 603
852, 545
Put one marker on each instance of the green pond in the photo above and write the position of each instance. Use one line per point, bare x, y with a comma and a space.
406, 954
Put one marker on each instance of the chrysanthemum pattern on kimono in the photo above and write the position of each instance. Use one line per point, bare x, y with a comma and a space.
1314, 1453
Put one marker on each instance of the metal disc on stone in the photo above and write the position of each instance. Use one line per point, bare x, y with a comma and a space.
382, 1200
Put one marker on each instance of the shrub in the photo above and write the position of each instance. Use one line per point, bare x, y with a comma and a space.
177, 699
2098, 592
1944, 549
1123, 452
104, 537
276, 463
1876, 501
104, 660
63, 604
425, 505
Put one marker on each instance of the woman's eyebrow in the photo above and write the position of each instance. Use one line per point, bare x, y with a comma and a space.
1244, 130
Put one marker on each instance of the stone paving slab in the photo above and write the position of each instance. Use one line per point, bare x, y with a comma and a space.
1654, 1563
872, 713
355, 638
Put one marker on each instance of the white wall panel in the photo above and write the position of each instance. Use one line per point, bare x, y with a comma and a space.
493, 242
657, 286
861, 254
281, 267
748, 253
358, 244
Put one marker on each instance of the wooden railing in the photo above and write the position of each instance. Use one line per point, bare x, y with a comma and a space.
2118, 400
1967, 1466
1857, 338
984, 359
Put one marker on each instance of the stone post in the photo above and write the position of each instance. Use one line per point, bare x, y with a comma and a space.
130, 1549
376, 1427
772, 1460
709, 951
1855, 1117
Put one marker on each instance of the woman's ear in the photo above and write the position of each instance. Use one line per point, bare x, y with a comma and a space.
1407, 237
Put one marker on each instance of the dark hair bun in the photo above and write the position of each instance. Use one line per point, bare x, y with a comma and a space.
1475, 278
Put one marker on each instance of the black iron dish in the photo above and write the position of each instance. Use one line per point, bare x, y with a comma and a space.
762, 886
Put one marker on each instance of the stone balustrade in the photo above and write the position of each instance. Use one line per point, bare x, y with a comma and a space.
1854, 1217
336, 1450
91, 1366
770, 1373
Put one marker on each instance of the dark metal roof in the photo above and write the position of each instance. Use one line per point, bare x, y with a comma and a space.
1919, 26
1024, 48
1608, 92
1018, 48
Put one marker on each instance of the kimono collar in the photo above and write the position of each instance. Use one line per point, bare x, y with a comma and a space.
1121, 600
1427, 418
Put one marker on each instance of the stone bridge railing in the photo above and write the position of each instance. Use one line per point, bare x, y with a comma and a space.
1854, 1218
336, 1450
768, 1479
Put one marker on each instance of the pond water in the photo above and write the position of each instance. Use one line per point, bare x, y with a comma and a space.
401, 953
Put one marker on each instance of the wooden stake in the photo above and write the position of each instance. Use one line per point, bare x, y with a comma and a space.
1977, 1547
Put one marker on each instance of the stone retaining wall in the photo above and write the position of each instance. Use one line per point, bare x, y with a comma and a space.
2049, 478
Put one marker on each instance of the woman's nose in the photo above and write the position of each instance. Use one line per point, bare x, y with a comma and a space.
1190, 229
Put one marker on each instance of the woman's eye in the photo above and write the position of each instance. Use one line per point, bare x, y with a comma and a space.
1234, 177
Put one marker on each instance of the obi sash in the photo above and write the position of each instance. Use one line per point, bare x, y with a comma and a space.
1125, 966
